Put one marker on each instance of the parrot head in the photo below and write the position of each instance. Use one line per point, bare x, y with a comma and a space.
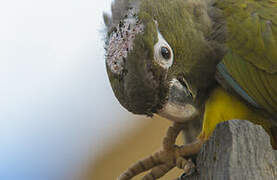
158, 60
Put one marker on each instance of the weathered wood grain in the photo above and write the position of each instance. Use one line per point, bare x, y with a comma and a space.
237, 150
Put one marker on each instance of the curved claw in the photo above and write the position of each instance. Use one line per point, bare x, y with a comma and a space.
163, 161
183, 176
187, 165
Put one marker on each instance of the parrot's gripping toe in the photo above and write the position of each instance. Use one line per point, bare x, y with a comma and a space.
187, 165
164, 160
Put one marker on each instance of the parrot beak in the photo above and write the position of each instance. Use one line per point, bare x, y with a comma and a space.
179, 107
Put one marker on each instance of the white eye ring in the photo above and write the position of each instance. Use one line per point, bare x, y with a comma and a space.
163, 53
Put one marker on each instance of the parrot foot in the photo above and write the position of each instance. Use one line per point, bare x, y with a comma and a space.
164, 160
186, 164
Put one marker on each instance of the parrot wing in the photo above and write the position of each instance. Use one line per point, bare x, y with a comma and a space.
250, 65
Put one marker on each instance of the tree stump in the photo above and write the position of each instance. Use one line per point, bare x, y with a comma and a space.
237, 150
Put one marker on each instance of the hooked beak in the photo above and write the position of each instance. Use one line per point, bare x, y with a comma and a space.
180, 106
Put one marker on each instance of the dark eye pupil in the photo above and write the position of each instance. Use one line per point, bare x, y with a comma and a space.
165, 52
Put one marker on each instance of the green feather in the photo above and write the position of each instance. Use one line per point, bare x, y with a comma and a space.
185, 25
252, 48
252, 31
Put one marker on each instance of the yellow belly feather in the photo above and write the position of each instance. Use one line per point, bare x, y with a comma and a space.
222, 106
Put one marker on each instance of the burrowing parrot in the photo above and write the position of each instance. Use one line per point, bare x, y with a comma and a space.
188, 59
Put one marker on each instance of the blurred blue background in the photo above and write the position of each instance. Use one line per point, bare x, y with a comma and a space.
57, 109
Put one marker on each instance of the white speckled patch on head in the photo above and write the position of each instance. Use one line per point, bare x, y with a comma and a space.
121, 41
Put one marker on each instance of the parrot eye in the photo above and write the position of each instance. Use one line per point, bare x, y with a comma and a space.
165, 52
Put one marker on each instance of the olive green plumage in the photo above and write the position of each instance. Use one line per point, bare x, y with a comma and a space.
185, 26
252, 48
242, 34
170, 56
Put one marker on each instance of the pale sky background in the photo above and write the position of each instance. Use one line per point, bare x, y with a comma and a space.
56, 105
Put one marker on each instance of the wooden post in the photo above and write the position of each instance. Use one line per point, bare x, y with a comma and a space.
237, 150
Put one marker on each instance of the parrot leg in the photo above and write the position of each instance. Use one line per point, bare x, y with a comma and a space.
164, 160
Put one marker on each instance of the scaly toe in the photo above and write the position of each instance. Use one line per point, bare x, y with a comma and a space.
187, 165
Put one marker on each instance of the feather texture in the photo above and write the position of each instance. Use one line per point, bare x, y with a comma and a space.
251, 58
